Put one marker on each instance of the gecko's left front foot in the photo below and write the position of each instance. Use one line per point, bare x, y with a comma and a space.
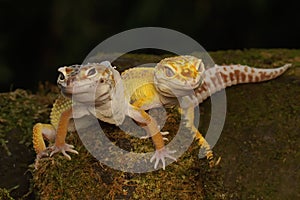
64, 148
161, 154
40, 155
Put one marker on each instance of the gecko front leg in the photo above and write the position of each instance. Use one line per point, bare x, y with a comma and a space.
151, 127
161, 152
61, 132
48, 132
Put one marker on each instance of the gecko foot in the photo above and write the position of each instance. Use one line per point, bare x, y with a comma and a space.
64, 148
161, 154
40, 155
209, 156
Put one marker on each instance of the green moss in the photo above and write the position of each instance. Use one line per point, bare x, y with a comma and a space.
18, 112
257, 57
4, 194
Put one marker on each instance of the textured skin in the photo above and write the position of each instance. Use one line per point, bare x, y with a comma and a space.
178, 75
171, 81
60, 105
220, 77
57, 130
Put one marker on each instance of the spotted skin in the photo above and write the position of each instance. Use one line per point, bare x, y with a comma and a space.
178, 75
220, 77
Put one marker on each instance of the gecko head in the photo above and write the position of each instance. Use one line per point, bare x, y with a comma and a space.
85, 83
179, 74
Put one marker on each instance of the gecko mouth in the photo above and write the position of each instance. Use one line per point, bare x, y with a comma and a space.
85, 92
72, 91
74, 88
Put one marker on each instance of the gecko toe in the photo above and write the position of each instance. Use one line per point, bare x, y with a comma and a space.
160, 155
63, 149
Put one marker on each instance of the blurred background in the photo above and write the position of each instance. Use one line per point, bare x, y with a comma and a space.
37, 37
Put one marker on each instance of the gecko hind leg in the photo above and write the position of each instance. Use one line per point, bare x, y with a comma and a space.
62, 128
205, 150
41, 132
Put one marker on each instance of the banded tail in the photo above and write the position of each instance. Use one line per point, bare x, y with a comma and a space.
220, 77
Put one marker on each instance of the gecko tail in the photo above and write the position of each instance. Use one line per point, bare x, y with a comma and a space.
237, 74
222, 76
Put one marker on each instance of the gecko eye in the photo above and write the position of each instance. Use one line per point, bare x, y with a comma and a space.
91, 72
168, 71
61, 76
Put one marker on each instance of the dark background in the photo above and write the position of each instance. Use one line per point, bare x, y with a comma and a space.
38, 36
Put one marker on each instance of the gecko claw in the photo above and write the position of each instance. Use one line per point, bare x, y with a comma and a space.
164, 132
144, 137
63, 149
42, 154
39, 156
161, 154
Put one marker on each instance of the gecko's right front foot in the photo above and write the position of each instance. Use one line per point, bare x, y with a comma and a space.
63, 149
161, 154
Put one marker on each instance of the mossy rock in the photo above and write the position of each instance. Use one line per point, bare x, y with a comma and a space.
259, 144
4, 194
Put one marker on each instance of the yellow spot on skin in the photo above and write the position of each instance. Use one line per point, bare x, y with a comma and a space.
59, 116
189, 71
38, 140
174, 66
61, 104
143, 95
